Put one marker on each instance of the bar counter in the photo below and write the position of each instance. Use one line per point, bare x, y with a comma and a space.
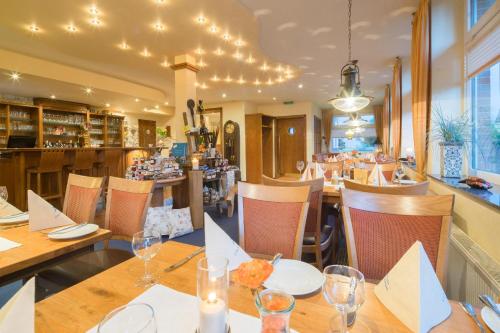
14, 163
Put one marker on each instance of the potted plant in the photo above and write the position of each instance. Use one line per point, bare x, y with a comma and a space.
452, 132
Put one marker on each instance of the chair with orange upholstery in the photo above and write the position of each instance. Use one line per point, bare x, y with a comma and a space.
416, 189
317, 237
80, 200
380, 228
272, 219
126, 207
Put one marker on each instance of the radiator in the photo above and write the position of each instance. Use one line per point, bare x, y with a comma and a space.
471, 271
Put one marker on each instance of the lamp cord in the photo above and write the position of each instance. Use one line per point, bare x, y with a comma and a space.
349, 6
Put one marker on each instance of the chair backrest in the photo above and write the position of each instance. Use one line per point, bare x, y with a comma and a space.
272, 219
360, 176
80, 200
84, 159
313, 221
387, 169
416, 189
380, 228
51, 160
126, 206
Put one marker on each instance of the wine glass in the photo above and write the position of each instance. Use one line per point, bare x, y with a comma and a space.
4, 194
344, 288
130, 318
146, 245
300, 166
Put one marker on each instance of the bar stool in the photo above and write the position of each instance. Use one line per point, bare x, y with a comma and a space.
51, 161
84, 161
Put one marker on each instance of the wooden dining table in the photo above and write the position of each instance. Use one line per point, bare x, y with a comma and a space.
81, 307
37, 251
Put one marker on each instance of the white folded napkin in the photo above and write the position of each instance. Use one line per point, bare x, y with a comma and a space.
372, 159
412, 291
7, 209
171, 308
334, 159
42, 215
377, 177
18, 315
307, 175
318, 171
6, 244
218, 243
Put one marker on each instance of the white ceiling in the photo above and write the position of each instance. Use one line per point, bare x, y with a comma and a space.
308, 36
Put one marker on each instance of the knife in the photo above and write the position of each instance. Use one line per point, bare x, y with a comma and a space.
488, 301
471, 312
68, 229
184, 260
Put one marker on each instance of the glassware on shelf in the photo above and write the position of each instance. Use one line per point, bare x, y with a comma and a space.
4, 194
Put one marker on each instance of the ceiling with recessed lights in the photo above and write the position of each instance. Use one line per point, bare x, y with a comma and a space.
253, 50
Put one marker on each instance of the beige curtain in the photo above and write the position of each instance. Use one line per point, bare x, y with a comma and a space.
385, 120
327, 116
396, 109
420, 83
379, 122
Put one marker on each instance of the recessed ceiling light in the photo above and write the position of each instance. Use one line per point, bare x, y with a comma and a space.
250, 59
239, 42
108, 105
71, 28
196, 84
137, 100
165, 63
300, 86
33, 28
199, 51
241, 80
157, 106
145, 53
124, 46
215, 78
213, 29
52, 96
14, 76
93, 10
269, 82
219, 51
228, 79
203, 86
237, 55
88, 90
279, 79
95, 21
159, 26
201, 63
264, 67
145, 109
166, 103
256, 82
274, 98
226, 37
279, 69
160, 2
259, 91
224, 95
201, 19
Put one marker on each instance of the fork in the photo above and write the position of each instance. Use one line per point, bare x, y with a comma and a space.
471, 312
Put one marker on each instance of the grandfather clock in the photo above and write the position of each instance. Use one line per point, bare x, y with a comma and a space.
232, 142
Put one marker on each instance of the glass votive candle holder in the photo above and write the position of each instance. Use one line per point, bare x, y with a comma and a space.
213, 297
275, 308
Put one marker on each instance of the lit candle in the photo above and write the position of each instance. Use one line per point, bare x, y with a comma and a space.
196, 163
212, 315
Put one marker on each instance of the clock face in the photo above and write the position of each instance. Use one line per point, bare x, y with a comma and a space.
229, 128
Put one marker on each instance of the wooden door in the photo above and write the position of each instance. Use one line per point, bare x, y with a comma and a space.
147, 133
317, 135
291, 132
253, 142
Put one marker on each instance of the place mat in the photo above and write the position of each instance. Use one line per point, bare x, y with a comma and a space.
6, 244
171, 307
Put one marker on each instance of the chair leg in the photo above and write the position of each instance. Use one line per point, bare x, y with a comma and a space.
60, 187
28, 180
319, 257
39, 184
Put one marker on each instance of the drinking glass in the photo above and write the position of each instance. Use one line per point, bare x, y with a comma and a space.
275, 308
300, 166
146, 244
4, 194
130, 318
344, 288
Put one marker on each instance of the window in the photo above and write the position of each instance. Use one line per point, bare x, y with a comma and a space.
363, 141
485, 111
477, 8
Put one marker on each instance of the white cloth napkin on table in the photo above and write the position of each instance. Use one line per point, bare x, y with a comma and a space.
42, 215
218, 243
18, 315
372, 158
376, 177
307, 175
412, 291
6, 244
6, 209
318, 171
172, 307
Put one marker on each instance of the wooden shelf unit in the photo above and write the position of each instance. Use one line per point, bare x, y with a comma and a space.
46, 122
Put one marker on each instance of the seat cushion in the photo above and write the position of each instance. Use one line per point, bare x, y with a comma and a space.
325, 233
84, 266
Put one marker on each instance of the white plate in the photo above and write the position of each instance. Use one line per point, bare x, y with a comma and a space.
295, 278
5, 220
491, 319
73, 233
407, 182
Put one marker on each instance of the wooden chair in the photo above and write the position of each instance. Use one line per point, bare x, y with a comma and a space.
84, 161
126, 207
387, 169
272, 219
80, 200
51, 162
380, 228
317, 237
360, 176
416, 189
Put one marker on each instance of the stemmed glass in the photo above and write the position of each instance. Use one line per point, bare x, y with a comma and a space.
4, 194
344, 288
146, 245
300, 166
131, 318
